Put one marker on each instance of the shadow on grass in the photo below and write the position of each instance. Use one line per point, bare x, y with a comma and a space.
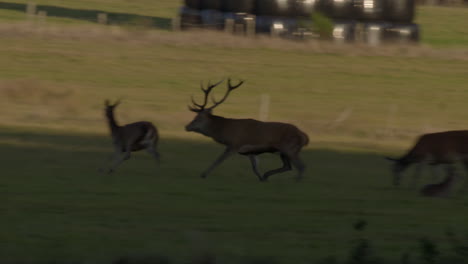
91, 150
91, 15
59, 207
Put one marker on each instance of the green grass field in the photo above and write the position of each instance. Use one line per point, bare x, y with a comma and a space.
356, 103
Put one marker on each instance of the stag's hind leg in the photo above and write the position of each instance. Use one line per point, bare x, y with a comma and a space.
152, 150
286, 167
297, 162
464, 187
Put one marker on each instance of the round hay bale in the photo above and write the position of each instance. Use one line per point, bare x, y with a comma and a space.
305, 8
400, 10
238, 6
211, 4
189, 18
274, 7
212, 19
194, 4
370, 10
338, 9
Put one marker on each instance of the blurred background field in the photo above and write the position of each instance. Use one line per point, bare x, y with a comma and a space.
356, 103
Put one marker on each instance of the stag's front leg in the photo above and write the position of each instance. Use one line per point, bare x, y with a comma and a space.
254, 161
228, 152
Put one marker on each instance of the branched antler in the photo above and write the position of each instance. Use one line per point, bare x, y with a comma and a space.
207, 91
230, 88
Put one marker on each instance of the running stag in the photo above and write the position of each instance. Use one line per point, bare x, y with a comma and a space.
248, 137
129, 138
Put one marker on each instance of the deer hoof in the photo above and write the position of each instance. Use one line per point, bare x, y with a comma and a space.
203, 176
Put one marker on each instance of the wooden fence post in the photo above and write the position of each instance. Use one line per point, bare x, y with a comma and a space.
42, 15
264, 107
229, 25
102, 18
250, 26
176, 23
31, 9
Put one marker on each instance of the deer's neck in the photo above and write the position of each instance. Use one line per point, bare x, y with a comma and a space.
216, 128
114, 127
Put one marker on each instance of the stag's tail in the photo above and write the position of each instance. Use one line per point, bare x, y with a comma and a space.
304, 139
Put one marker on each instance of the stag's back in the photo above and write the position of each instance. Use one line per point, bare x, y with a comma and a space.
241, 132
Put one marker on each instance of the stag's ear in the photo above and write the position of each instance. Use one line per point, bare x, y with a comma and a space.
391, 159
107, 103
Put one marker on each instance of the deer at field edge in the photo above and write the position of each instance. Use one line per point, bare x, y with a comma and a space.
248, 137
436, 148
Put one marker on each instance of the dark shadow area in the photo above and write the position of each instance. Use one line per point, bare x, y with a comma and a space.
56, 205
91, 15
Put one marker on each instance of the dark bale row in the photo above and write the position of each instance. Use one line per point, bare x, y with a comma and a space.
367, 10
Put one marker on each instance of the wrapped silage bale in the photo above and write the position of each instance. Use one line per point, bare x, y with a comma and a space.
400, 10
371, 10
338, 9
211, 4
212, 18
305, 8
189, 17
194, 4
238, 6
274, 8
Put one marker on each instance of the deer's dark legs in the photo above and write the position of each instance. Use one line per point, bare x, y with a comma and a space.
254, 161
464, 187
297, 162
286, 167
152, 150
417, 174
228, 152
119, 158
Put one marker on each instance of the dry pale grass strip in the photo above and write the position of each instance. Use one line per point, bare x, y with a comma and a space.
221, 40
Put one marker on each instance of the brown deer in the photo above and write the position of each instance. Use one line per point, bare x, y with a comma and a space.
131, 137
436, 148
248, 137
441, 189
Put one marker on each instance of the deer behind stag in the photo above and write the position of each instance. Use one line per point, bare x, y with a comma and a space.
248, 137
131, 137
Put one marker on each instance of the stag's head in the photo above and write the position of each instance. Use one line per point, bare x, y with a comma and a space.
202, 119
109, 108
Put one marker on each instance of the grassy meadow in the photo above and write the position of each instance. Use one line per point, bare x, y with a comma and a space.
356, 103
